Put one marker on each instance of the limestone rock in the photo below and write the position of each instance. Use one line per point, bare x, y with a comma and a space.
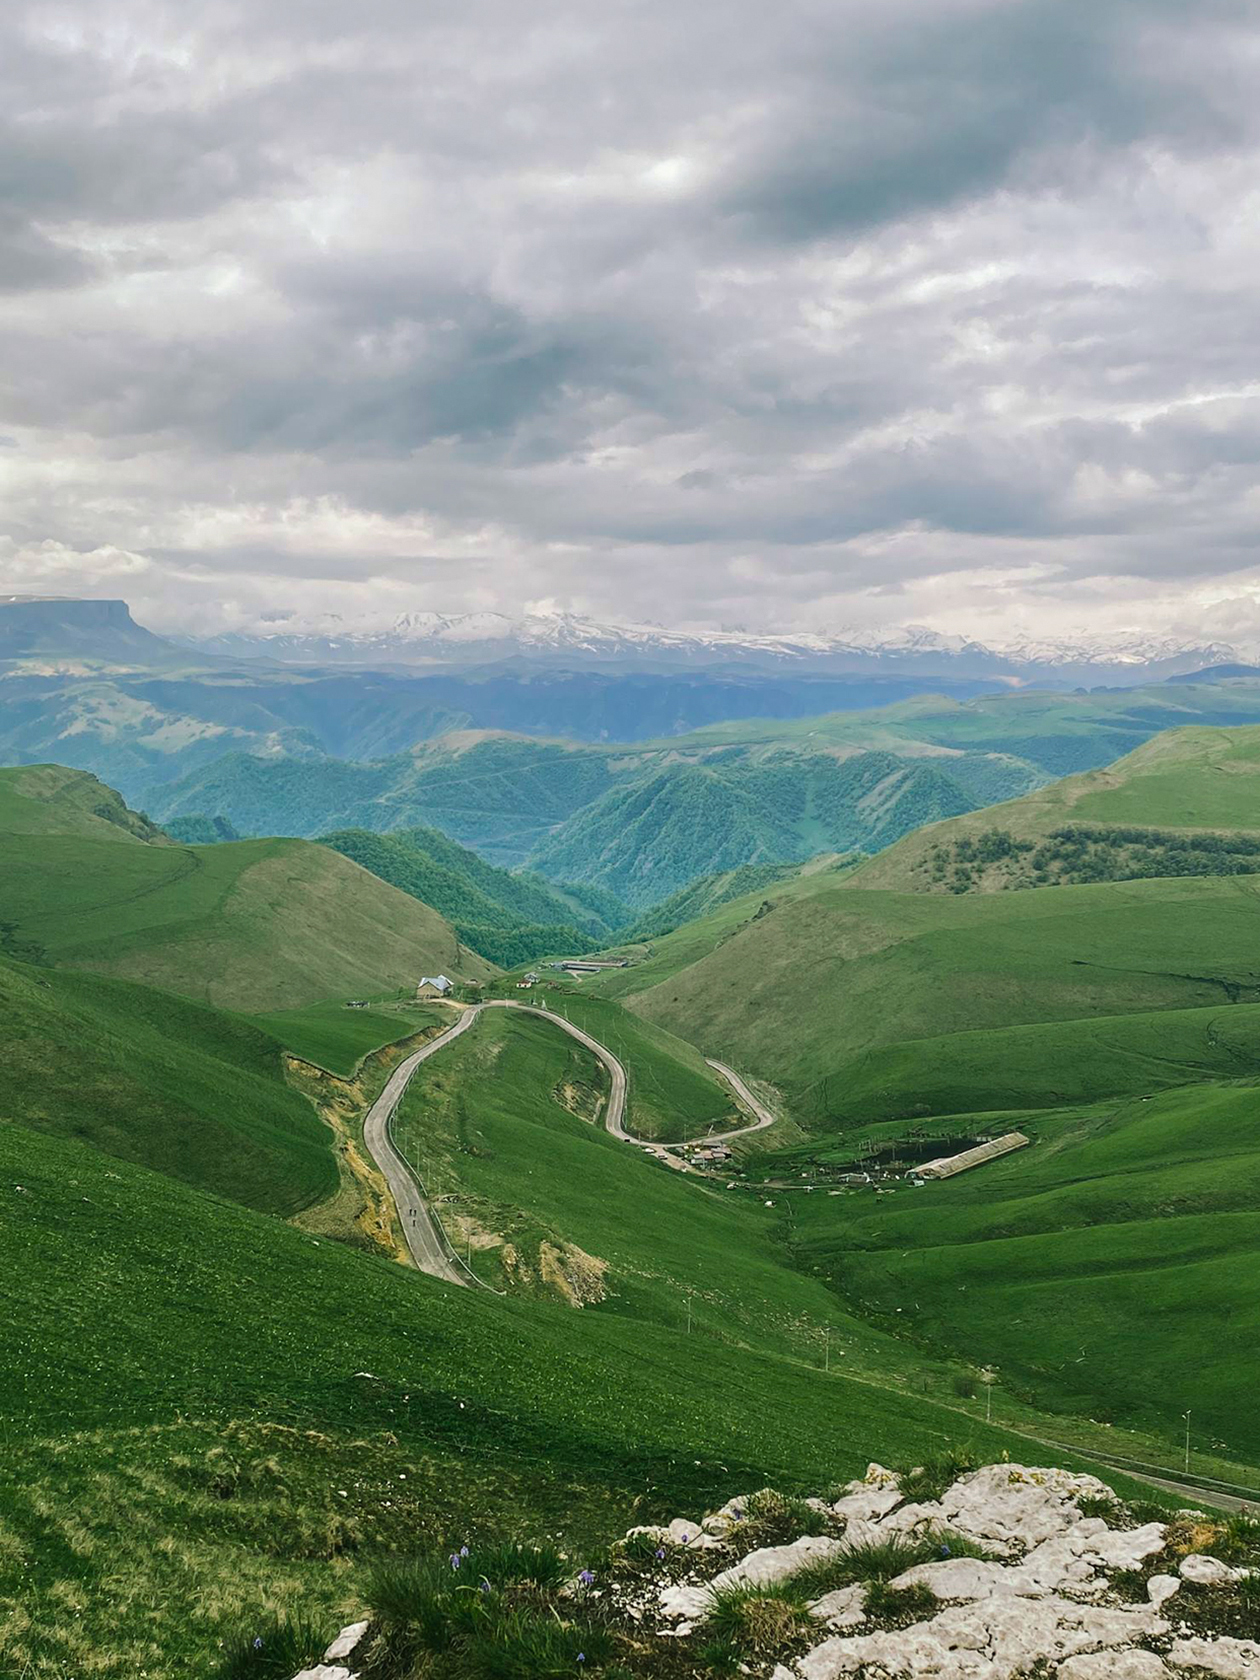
992, 1639
1114, 1665
774, 1563
843, 1608
1232, 1659
1160, 1588
325, 1672
1011, 1507
684, 1601
345, 1642
1204, 1571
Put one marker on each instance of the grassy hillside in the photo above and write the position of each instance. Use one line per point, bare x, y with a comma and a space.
1185, 803
254, 925
49, 799
149, 1078
507, 918
794, 992
1112, 1268
508, 1120
258, 1413
1044, 1065
336, 1037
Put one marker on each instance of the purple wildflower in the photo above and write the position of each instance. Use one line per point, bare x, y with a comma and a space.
581, 1656
660, 1551
586, 1576
463, 1551
258, 1642
485, 1585
454, 1560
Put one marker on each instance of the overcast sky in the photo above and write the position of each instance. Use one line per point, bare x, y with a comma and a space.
786, 315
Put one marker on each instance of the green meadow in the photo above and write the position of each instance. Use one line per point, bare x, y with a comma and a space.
221, 1414
335, 1037
671, 1094
175, 1086
1112, 1269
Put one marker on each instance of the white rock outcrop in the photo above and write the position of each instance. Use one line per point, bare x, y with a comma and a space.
995, 1638
1232, 1659
1203, 1571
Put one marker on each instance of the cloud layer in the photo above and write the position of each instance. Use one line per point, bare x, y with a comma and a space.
780, 316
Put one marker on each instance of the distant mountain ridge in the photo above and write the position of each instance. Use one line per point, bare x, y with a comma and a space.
434, 638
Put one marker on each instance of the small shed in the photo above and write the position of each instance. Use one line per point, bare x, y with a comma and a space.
433, 986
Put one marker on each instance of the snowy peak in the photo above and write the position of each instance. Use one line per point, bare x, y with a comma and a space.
433, 639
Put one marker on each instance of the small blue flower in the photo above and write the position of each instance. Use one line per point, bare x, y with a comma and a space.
463, 1551
581, 1656
660, 1551
944, 1551
454, 1560
258, 1642
485, 1585
586, 1576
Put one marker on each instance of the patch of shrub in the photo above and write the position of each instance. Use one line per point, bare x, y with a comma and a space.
757, 1621
898, 1607
929, 1480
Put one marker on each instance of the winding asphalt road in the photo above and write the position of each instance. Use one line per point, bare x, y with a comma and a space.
425, 1240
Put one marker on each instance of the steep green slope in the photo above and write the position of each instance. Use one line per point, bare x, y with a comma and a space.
509, 1117
258, 1413
646, 842
710, 892
49, 799
149, 1078
506, 918
501, 794
1113, 1267
793, 993
253, 925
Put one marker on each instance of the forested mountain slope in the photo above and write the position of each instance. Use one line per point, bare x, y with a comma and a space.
508, 918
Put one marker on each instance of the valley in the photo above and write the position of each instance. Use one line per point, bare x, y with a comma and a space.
216, 1048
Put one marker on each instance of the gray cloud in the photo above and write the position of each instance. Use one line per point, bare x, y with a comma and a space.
784, 314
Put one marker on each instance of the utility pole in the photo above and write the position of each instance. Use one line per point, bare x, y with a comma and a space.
988, 1377
1186, 1415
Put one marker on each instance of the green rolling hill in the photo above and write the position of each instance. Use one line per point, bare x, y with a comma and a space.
794, 991
1185, 803
1111, 1269
253, 925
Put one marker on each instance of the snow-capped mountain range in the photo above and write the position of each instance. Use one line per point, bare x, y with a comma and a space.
430, 639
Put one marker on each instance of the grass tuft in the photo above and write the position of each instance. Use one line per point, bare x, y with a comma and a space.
274, 1650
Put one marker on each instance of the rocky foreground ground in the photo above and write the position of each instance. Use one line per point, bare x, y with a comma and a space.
999, 1572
